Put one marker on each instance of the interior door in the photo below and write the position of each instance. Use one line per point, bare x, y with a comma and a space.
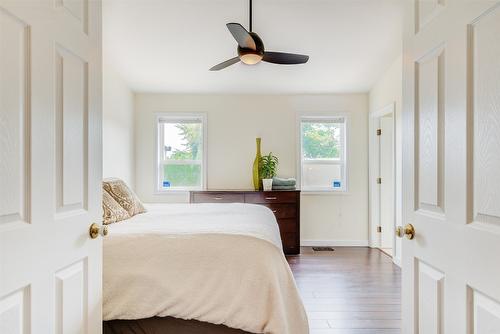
50, 166
387, 186
451, 269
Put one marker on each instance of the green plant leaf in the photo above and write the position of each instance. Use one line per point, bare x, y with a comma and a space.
268, 166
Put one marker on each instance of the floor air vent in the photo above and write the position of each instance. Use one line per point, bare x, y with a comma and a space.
323, 249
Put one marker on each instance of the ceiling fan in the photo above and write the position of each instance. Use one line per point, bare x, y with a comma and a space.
251, 49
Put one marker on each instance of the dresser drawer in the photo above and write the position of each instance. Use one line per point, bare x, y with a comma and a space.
287, 225
269, 197
217, 197
283, 210
290, 242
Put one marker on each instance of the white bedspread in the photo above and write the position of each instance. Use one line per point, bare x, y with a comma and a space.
235, 218
218, 263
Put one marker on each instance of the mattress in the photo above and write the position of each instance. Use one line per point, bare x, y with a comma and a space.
215, 263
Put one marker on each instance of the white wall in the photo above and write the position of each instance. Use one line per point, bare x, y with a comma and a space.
387, 90
234, 121
118, 127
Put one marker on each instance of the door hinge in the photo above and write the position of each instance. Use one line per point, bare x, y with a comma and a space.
379, 132
379, 229
379, 180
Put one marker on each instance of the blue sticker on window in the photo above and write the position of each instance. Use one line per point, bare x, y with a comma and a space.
166, 184
337, 184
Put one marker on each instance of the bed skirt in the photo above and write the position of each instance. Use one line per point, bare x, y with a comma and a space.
165, 325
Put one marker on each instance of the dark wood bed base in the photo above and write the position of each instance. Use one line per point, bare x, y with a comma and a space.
166, 325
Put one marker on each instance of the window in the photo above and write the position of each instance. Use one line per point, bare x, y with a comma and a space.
181, 152
323, 153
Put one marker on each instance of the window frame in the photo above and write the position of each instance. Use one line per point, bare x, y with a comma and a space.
159, 139
344, 161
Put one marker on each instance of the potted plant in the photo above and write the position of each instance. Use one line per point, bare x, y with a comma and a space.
268, 167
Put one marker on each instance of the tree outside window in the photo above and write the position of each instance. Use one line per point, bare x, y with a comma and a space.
181, 153
323, 143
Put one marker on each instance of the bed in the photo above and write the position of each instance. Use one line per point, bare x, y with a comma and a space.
196, 266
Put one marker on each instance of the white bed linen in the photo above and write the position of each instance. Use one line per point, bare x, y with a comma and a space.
231, 218
218, 263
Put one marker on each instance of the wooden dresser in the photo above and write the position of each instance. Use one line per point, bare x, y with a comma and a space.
284, 204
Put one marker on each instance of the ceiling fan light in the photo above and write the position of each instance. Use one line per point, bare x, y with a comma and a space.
251, 58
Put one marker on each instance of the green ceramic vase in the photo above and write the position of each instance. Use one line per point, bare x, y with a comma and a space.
256, 176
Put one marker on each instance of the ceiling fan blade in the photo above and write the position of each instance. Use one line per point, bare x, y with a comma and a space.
284, 58
225, 64
242, 36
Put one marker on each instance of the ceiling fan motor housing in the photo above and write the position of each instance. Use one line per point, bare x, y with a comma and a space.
250, 56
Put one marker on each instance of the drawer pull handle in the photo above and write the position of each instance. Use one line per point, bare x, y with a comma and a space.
274, 211
217, 197
271, 198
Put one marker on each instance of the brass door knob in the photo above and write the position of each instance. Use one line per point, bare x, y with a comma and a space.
95, 230
408, 231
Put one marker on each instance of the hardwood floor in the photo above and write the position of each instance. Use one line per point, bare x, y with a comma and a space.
349, 291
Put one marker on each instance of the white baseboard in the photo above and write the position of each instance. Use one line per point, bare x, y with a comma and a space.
335, 243
397, 261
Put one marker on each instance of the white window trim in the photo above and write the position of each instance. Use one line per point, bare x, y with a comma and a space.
324, 116
159, 190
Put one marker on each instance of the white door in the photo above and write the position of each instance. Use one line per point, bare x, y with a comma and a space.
387, 186
50, 166
451, 269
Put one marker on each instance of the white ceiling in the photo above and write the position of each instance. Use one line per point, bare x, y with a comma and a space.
168, 46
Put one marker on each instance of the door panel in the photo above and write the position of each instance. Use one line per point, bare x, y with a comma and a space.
75, 12
14, 125
426, 10
429, 132
50, 151
430, 299
71, 298
451, 168
485, 52
71, 131
485, 314
14, 312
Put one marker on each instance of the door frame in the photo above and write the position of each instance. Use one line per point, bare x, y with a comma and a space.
374, 172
